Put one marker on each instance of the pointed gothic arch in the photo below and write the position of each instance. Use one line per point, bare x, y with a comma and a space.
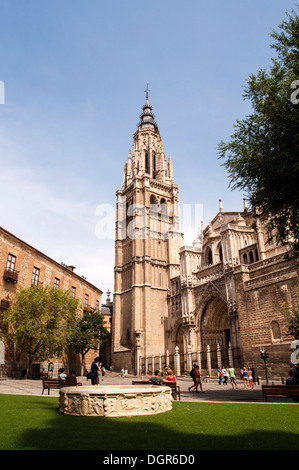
216, 327
214, 324
147, 163
208, 256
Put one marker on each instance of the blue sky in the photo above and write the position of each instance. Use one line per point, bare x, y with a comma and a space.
75, 74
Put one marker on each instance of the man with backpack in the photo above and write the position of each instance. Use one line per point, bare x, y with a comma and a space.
192, 374
196, 379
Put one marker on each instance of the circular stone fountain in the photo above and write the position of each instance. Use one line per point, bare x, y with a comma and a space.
115, 400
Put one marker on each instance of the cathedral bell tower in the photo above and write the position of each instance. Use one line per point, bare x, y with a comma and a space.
147, 246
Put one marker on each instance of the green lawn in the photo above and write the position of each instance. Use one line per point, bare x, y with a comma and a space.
28, 422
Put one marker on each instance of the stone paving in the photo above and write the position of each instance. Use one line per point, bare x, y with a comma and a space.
213, 392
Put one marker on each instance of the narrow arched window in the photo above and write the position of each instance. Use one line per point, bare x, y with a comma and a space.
275, 331
209, 256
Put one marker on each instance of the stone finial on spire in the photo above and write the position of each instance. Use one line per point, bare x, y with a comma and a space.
146, 91
170, 168
220, 206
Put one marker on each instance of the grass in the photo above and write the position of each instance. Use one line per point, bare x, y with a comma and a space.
34, 423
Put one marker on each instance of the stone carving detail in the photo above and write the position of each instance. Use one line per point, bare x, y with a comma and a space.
115, 400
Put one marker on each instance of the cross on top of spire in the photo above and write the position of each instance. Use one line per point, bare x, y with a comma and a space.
147, 91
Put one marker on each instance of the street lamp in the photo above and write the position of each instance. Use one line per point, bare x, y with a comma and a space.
264, 355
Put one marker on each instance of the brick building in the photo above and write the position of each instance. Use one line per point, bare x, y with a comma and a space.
22, 265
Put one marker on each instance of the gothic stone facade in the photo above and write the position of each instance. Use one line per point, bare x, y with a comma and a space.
233, 286
223, 292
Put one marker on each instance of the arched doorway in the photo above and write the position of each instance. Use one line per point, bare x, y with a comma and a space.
215, 329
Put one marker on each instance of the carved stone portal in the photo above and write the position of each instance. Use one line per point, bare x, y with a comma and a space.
123, 400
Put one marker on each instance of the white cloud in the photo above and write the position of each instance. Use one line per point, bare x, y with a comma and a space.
63, 229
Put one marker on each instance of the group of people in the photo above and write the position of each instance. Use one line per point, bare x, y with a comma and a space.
158, 376
247, 377
97, 371
166, 377
227, 373
64, 376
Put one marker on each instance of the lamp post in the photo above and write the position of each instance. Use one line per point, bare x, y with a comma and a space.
264, 355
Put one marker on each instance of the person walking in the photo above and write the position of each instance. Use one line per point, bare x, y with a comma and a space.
219, 376
192, 374
232, 376
224, 374
197, 379
94, 373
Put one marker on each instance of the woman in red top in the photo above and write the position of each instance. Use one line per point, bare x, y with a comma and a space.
170, 377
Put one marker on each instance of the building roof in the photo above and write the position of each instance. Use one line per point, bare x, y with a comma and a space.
64, 267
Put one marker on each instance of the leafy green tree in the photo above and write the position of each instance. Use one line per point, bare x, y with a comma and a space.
292, 313
262, 155
39, 323
88, 333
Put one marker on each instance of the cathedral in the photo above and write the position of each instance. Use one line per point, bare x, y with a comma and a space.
217, 302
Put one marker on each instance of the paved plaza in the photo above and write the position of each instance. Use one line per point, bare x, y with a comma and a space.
213, 392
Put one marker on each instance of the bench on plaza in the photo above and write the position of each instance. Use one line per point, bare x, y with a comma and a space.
281, 391
175, 389
58, 383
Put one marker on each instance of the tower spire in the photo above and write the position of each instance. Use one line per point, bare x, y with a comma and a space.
147, 117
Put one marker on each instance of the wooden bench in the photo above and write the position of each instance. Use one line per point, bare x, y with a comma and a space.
58, 383
175, 389
281, 391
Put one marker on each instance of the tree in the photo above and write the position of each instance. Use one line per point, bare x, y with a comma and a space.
39, 324
262, 156
292, 313
88, 333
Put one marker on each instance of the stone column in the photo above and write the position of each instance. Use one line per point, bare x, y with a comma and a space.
219, 359
167, 358
230, 355
189, 358
209, 365
199, 358
177, 365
